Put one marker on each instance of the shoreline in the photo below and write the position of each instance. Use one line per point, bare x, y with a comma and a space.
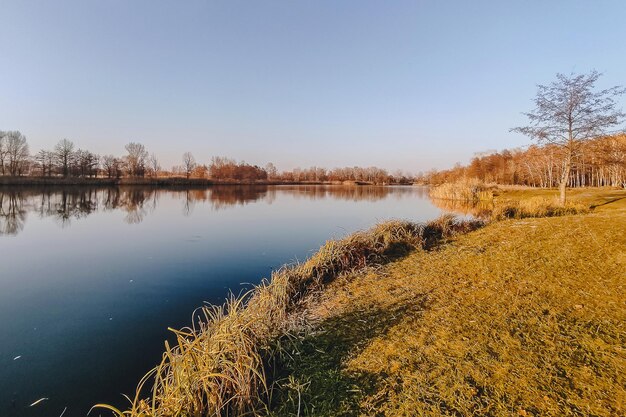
165, 182
305, 308
230, 350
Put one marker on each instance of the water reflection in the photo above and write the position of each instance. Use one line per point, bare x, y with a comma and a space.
478, 209
68, 204
12, 213
86, 298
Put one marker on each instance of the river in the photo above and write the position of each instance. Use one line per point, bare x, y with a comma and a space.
90, 278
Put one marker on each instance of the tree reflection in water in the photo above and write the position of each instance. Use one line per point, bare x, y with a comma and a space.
73, 203
12, 214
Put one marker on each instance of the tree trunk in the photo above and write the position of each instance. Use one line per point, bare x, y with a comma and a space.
564, 180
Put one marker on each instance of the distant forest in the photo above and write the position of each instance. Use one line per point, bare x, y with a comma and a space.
598, 162
65, 160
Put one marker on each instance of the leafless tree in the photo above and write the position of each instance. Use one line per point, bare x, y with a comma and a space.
111, 165
271, 170
189, 163
153, 164
86, 163
570, 111
17, 152
3, 151
64, 154
45, 161
136, 159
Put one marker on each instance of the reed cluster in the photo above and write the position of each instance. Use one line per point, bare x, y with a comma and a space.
219, 365
470, 190
536, 207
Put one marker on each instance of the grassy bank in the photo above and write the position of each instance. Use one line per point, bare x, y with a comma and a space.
224, 363
523, 317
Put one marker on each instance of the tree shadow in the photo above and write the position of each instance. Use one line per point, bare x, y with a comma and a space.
312, 376
607, 202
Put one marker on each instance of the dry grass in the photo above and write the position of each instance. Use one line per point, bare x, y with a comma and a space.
501, 208
219, 365
517, 319
469, 190
521, 318
536, 207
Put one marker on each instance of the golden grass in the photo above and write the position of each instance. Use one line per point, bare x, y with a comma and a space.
219, 365
469, 190
525, 317
536, 207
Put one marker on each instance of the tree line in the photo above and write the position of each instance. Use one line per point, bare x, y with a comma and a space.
598, 162
570, 123
66, 160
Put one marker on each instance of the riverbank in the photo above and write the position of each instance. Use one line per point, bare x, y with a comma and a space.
523, 317
224, 363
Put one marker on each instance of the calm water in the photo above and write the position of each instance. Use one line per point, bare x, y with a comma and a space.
91, 278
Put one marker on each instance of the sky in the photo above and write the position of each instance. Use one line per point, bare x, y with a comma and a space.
409, 85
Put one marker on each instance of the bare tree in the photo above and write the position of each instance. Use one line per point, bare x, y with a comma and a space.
271, 170
569, 112
153, 164
86, 163
189, 163
64, 154
111, 165
3, 151
136, 159
17, 152
45, 161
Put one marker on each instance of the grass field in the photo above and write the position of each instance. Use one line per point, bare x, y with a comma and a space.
525, 317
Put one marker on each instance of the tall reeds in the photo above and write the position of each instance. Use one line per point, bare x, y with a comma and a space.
219, 365
470, 190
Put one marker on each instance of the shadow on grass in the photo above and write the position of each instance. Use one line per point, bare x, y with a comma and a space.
607, 202
312, 379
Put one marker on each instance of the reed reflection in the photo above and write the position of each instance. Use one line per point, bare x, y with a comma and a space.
68, 204
478, 209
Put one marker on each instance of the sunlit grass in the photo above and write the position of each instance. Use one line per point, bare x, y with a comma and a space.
219, 365
522, 318
525, 317
536, 207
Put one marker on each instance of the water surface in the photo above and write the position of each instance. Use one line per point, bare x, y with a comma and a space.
90, 278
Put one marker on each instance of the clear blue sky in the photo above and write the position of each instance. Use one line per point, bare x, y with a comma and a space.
398, 84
